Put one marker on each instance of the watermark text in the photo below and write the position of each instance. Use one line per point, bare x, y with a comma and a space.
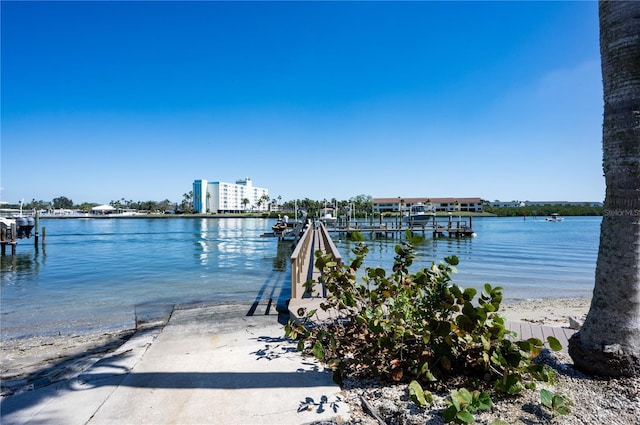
622, 212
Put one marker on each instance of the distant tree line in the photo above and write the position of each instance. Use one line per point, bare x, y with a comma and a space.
357, 206
62, 202
565, 210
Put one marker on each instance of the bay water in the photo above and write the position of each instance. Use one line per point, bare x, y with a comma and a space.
106, 274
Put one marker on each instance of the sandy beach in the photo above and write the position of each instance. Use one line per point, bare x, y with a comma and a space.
547, 311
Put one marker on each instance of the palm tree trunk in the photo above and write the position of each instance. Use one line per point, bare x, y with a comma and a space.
609, 342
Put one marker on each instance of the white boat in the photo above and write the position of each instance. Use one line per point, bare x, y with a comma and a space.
328, 218
15, 219
419, 215
554, 217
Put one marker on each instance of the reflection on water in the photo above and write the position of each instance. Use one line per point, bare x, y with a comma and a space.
98, 273
94, 273
19, 268
227, 242
283, 256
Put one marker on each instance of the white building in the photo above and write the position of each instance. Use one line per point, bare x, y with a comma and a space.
511, 204
221, 197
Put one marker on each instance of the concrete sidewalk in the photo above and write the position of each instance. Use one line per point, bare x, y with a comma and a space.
208, 365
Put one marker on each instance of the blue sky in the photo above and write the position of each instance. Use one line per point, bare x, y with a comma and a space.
320, 100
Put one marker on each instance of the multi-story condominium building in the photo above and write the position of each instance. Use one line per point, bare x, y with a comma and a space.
221, 197
433, 204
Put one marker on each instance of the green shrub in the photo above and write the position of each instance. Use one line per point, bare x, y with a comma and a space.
417, 326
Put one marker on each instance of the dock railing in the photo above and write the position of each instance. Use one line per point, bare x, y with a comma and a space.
300, 259
328, 245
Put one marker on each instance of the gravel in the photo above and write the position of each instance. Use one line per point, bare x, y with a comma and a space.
594, 401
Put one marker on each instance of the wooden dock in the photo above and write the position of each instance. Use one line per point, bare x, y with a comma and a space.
8, 239
437, 226
303, 269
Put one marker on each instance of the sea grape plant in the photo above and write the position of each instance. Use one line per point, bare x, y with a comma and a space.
404, 326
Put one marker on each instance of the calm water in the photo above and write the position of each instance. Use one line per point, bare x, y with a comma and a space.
104, 274
528, 258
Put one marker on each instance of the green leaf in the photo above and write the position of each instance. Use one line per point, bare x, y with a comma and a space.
455, 400
484, 401
554, 343
430, 377
546, 398
535, 341
417, 394
469, 294
465, 395
465, 417
428, 396
318, 350
453, 260
449, 414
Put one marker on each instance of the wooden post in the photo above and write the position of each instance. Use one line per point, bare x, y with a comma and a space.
14, 234
37, 226
3, 238
44, 235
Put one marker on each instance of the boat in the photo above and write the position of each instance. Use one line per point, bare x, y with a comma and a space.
554, 217
419, 215
281, 226
15, 219
328, 218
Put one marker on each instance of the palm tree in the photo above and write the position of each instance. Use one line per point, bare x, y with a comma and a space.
186, 201
609, 341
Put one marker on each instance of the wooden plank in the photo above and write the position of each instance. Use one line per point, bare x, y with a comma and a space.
537, 331
525, 330
515, 327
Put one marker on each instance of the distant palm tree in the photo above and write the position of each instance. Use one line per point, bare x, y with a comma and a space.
609, 341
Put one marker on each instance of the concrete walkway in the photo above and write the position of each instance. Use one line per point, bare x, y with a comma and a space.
210, 365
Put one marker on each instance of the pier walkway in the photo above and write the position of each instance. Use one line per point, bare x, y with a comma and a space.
303, 269
438, 226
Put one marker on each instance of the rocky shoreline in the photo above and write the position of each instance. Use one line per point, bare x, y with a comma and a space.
594, 401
